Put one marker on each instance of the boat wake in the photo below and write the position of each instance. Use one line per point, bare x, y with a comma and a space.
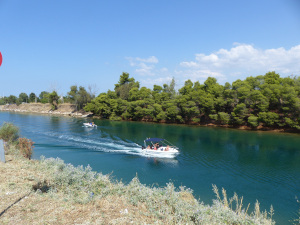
107, 143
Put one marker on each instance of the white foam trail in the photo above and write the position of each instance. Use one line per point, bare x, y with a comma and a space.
107, 145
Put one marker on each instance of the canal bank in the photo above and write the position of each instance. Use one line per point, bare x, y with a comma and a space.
49, 191
256, 165
64, 109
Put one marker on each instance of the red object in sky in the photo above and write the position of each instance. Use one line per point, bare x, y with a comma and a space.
0, 59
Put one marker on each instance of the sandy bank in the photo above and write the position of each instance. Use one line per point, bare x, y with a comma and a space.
65, 109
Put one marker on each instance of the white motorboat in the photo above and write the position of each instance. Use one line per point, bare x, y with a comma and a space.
91, 125
159, 147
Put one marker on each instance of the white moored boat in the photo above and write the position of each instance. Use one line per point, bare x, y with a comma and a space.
159, 147
92, 125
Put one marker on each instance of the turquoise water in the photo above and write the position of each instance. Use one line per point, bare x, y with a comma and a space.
256, 165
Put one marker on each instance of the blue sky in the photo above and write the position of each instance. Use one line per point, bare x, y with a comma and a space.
54, 44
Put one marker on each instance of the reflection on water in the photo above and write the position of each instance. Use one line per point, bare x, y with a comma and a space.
256, 165
162, 161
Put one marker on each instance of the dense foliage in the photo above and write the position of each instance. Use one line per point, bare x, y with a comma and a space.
267, 100
262, 101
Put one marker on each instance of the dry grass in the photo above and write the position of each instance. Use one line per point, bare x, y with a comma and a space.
50, 192
20, 176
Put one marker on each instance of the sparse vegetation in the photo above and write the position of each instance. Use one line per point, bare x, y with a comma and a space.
55, 191
26, 147
13, 143
50, 191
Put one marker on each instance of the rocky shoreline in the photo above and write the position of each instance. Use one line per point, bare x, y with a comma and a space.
64, 109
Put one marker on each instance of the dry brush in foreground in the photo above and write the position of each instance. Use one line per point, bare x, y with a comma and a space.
48, 191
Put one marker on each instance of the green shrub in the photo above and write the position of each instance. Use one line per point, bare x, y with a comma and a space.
292, 123
161, 116
196, 120
125, 115
239, 113
268, 118
179, 119
213, 116
253, 121
223, 117
9, 132
114, 117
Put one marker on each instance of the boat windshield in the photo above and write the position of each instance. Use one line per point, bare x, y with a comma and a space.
154, 139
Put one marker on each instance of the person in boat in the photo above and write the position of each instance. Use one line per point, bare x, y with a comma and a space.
167, 148
148, 147
156, 146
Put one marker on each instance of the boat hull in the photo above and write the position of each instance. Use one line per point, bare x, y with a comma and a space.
162, 151
89, 125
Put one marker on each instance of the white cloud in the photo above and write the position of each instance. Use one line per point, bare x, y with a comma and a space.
197, 75
144, 67
164, 70
227, 65
158, 81
150, 74
245, 60
151, 59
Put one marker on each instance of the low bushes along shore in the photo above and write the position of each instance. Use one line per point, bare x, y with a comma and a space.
48, 191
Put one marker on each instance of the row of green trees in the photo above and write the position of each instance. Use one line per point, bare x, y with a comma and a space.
43, 97
77, 95
266, 100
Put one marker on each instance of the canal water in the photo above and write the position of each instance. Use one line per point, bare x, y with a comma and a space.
261, 166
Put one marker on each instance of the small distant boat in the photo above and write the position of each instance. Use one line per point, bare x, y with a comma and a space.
159, 147
91, 125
